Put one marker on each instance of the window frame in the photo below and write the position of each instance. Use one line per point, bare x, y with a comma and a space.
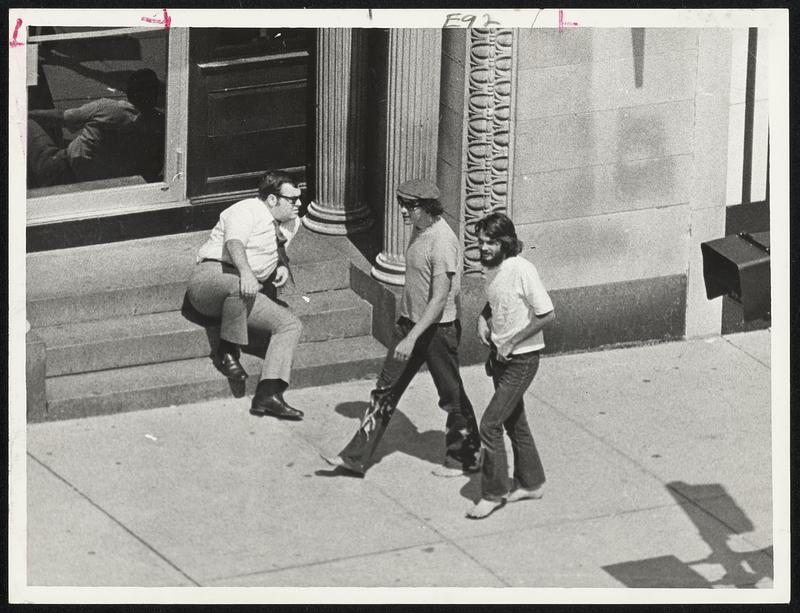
135, 198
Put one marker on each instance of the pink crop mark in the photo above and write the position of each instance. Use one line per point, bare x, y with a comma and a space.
563, 24
14, 42
166, 21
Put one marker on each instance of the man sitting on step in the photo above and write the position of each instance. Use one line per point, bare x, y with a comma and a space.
237, 270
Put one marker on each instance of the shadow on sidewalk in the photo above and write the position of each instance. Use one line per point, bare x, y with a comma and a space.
717, 518
401, 436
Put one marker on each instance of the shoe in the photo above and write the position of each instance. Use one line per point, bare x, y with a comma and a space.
339, 462
449, 471
274, 406
228, 364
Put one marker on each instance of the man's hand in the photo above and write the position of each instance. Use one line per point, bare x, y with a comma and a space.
281, 276
404, 348
484, 332
248, 285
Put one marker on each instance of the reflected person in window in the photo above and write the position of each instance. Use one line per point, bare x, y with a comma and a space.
115, 138
237, 266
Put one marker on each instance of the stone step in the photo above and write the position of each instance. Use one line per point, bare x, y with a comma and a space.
185, 381
162, 337
149, 276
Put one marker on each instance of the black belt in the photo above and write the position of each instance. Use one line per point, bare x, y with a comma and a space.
446, 324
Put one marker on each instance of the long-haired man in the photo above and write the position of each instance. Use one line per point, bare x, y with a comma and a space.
518, 308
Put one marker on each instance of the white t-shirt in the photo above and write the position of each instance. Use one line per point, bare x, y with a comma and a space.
251, 222
516, 295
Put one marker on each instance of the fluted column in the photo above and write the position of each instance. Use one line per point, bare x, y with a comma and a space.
340, 205
412, 132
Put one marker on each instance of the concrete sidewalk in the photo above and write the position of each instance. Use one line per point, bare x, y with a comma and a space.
659, 475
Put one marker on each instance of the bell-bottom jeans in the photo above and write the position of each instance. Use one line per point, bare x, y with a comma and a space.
438, 348
506, 411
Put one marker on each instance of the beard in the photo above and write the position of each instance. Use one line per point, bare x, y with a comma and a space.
492, 261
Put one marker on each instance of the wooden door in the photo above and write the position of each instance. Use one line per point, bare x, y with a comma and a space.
250, 108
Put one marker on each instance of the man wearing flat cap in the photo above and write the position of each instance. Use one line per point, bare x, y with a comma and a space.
427, 332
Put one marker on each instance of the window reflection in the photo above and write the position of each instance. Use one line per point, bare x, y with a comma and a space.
235, 42
96, 112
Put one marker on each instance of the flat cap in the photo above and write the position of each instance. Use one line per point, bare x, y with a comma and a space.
418, 189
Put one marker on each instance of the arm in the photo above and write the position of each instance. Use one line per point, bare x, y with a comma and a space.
248, 284
484, 328
539, 322
434, 308
48, 116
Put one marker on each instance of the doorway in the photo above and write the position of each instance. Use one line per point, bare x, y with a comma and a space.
250, 108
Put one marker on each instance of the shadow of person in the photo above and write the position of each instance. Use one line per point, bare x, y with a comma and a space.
402, 435
717, 517
471, 490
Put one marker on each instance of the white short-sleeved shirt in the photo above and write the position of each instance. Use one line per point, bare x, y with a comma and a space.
516, 295
431, 252
251, 222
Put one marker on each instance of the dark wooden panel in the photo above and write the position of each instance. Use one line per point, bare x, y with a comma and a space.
250, 107
222, 43
256, 150
240, 111
222, 76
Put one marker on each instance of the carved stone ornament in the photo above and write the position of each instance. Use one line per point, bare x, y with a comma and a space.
488, 151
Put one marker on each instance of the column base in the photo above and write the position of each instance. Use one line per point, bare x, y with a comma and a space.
389, 270
337, 221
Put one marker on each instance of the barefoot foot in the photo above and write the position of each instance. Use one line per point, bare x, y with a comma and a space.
484, 508
448, 471
523, 494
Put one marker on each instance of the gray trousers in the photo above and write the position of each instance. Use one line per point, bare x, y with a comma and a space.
214, 291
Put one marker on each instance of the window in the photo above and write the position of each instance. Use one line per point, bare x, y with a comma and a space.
106, 116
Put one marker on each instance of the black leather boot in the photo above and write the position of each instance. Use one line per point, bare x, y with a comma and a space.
269, 401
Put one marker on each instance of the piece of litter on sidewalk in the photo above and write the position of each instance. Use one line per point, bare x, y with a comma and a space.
151, 437
711, 340
306, 298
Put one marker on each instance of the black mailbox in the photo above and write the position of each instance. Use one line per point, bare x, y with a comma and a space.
738, 266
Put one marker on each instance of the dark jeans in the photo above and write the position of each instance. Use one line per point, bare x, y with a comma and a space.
438, 348
506, 410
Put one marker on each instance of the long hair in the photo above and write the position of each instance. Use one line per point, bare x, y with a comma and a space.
271, 183
431, 206
499, 227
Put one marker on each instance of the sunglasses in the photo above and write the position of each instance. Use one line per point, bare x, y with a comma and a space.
408, 205
293, 200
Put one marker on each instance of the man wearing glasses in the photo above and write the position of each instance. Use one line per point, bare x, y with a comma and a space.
237, 271
428, 331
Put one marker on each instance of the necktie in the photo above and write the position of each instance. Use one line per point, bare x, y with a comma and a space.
283, 258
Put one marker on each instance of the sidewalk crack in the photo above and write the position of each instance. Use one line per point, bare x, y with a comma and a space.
114, 519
